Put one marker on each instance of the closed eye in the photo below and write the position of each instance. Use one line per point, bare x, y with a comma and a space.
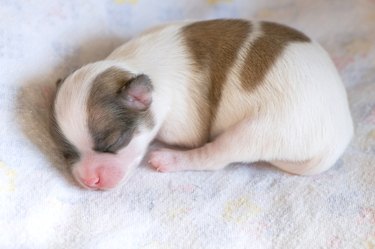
106, 149
123, 140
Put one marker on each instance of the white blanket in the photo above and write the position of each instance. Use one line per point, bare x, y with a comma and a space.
243, 206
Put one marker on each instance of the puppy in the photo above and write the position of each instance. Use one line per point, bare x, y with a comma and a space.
225, 90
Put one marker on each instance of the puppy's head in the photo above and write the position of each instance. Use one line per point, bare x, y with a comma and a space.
102, 122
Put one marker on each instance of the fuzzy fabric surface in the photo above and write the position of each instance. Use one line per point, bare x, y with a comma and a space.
242, 206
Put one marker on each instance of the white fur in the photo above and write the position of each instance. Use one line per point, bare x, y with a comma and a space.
70, 108
298, 114
163, 57
298, 118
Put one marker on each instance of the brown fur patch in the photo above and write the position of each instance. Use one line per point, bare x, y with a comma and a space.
111, 124
265, 50
214, 46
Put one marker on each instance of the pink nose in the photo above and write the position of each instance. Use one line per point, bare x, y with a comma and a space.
101, 178
92, 182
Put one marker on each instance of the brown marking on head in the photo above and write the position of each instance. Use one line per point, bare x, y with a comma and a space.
116, 110
214, 46
265, 50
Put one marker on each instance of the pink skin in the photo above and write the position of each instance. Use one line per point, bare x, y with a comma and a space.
103, 171
168, 160
99, 171
165, 160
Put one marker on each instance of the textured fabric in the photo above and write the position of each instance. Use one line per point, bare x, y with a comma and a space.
243, 206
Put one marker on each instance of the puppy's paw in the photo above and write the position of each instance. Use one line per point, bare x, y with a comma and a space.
165, 160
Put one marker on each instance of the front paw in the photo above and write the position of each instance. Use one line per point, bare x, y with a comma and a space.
164, 160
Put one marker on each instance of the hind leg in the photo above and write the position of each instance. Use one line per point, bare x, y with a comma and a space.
240, 143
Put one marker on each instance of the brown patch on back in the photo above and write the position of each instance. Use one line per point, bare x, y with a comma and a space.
265, 50
110, 123
214, 46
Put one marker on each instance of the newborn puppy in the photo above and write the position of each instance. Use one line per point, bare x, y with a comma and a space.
226, 90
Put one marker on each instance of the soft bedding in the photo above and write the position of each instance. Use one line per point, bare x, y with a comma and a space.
243, 206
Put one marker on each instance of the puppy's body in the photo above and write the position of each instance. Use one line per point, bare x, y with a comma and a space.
228, 90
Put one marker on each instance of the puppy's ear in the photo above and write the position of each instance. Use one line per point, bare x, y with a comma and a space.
136, 94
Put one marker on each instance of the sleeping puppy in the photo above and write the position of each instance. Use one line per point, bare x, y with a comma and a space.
225, 90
